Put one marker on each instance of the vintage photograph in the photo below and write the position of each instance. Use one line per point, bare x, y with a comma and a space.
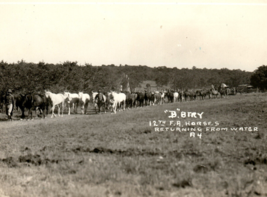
133, 98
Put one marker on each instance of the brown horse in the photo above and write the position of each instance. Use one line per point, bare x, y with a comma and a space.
203, 93
189, 95
36, 101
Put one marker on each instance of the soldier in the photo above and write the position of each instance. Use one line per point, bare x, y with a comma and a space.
100, 96
9, 101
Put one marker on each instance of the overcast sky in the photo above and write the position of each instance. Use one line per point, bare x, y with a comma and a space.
182, 35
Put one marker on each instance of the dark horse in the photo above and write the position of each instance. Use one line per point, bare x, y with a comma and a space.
170, 96
100, 100
35, 101
149, 98
130, 99
2, 98
190, 95
203, 93
19, 98
140, 99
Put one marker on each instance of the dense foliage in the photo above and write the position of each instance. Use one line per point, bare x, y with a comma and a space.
259, 78
69, 76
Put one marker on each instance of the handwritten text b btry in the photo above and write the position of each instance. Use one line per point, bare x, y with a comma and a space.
183, 114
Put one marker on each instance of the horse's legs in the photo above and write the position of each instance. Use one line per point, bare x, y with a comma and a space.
114, 107
43, 112
22, 112
99, 107
30, 111
58, 110
95, 109
73, 107
104, 105
62, 108
69, 111
52, 109
82, 108
85, 107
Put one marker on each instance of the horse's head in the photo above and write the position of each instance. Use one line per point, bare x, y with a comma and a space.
66, 94
80, 94
94, 95
26, 100
47, 93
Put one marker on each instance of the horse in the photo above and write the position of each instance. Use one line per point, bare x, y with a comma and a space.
149, 98
203, 93
140, 99
215, 93
2, 99
56, 99
72, 100
170, 96
117, 99
223, 91
34, 101
93, 96
133, 97
181, 95
175, 97
100, 100
157, 98
190, 94
163, 95
129, 100
84, 99
19, 98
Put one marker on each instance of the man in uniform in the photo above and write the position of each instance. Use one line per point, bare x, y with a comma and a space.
99, 96
100, 101
9, 101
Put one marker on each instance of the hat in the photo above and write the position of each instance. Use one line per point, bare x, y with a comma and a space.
9, 91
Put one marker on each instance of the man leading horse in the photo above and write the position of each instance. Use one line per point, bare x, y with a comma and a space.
100, 101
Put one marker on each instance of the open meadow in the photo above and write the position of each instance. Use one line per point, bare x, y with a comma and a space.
131, 153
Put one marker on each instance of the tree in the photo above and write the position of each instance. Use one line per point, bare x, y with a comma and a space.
259, 78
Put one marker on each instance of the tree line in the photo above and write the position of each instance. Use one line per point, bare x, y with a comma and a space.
69, 76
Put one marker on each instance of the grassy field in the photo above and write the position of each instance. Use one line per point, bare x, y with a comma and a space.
122, 155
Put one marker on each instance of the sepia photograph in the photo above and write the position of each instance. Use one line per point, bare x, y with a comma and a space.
133, 98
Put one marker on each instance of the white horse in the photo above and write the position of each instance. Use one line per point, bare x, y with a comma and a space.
56, 99
93, 96
85, 98
72, 99
175, 96
118, 98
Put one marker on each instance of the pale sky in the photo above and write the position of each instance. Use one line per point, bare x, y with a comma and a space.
182, 35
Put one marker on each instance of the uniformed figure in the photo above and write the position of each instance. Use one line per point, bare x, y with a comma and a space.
99, 96
9, 101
